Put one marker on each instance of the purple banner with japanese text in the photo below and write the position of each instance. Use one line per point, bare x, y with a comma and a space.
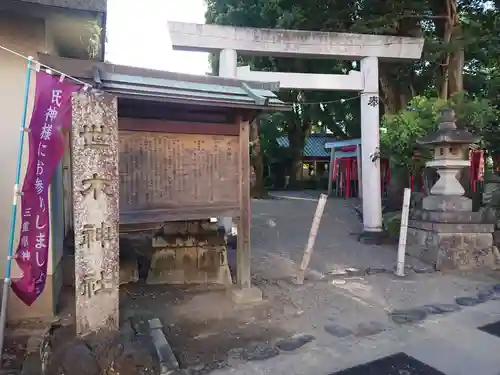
51, 114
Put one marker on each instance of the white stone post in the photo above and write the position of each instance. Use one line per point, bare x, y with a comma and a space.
370, 146
227, 68
227, 63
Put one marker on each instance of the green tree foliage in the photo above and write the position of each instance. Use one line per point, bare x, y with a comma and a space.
288, 14
461, 55
400, 131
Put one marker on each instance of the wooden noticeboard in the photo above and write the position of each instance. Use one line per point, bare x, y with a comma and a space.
165, 172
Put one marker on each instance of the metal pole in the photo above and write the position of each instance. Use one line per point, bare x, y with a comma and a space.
358, 161
7, 280
400, 268
339, 186
330, 172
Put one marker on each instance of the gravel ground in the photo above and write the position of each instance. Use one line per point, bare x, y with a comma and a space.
207, 332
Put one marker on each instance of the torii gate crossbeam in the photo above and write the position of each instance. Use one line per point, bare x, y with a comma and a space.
229, 41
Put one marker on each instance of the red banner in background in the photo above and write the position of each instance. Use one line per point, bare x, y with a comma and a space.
51, 113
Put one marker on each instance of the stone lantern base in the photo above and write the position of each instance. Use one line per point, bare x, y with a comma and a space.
445, 232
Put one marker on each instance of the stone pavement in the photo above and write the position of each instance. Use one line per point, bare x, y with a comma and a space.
336, 322
450, 343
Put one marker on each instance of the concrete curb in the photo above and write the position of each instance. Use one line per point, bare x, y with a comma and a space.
37, 352
168, 362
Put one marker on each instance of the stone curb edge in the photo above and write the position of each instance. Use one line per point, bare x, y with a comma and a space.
166, 357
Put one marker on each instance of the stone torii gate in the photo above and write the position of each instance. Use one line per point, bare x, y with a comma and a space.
228, 41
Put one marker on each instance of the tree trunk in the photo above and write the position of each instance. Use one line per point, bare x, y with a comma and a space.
453, 61
393, 96
258, 189
456, 67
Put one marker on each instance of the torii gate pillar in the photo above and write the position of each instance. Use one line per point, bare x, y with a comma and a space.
370, 141
227, 63
227, 68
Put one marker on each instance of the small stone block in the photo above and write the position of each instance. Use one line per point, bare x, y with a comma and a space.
259, 352
369, 329
441, 308
410, 316
338, 331
246, 295
487, 295
373, 238
424, 269
468, 301
294, 342
155, 324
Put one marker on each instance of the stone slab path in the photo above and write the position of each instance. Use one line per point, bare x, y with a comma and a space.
445, 337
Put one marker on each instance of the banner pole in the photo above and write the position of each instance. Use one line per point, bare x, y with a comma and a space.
7, 280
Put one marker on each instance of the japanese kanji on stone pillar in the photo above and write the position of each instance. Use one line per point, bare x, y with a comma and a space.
94, 162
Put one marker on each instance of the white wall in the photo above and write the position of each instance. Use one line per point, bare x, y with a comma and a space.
28, 37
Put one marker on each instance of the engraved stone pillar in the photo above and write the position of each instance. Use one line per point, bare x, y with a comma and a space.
94, 165
227, 68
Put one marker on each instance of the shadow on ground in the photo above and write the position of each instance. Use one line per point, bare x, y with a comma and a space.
201, 323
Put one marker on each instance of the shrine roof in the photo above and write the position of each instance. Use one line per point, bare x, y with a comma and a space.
155, 85
314, 146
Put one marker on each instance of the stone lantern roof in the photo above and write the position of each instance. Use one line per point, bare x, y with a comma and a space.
448, 133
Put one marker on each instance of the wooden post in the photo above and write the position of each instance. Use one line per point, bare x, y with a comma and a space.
95, 187
243, 251
312, 238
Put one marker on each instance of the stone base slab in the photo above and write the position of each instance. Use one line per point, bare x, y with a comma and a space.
447, 203
245, 295
189, 265
451, 227
456, 217
191, 227
177, 277
450, 251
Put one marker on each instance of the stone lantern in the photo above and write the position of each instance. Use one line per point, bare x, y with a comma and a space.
445, 231
450, 145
